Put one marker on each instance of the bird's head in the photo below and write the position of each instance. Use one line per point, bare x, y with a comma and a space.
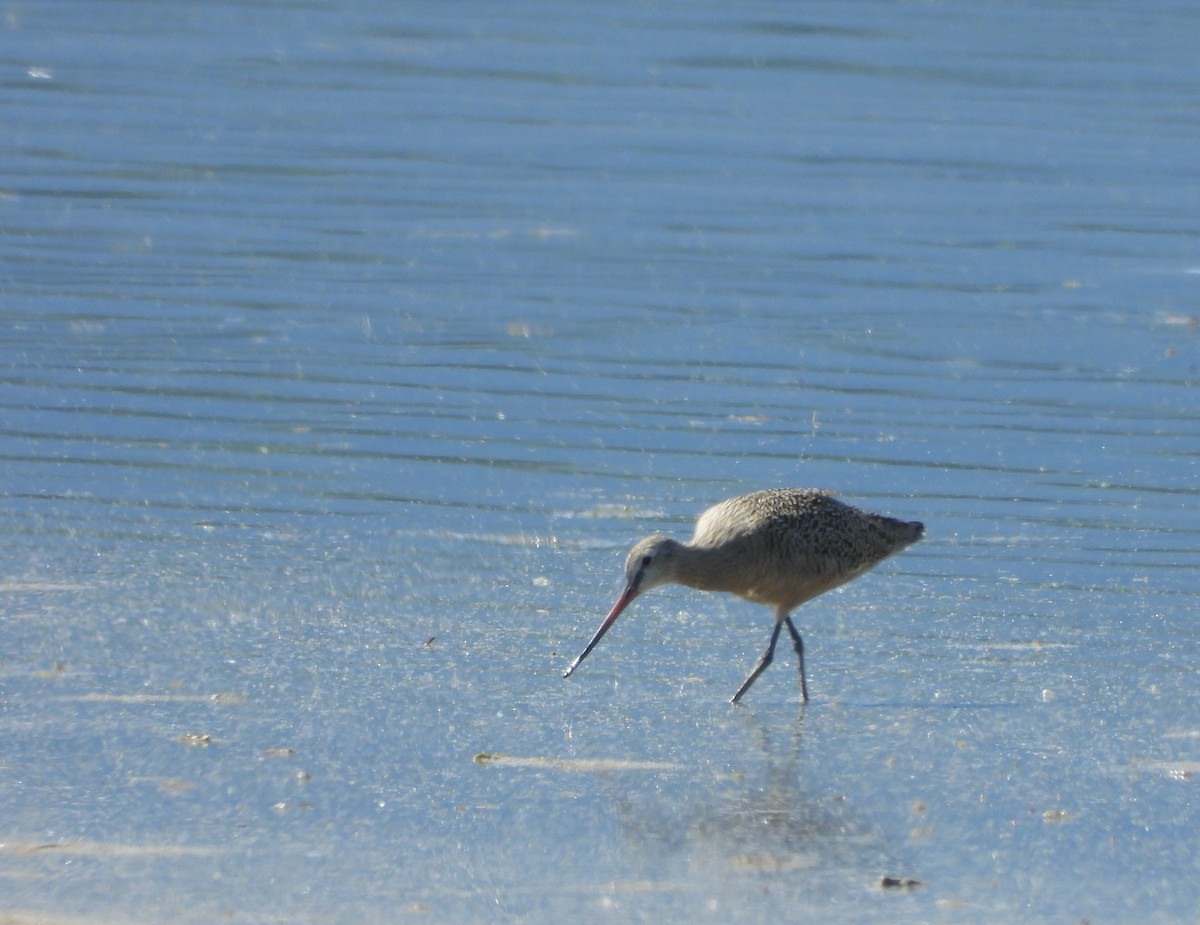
650, 563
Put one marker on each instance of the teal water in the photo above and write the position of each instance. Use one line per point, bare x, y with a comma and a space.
345, 349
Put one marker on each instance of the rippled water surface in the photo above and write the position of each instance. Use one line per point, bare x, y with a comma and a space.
346, 347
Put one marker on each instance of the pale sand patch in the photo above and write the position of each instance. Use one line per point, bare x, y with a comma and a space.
586, 765
95, 849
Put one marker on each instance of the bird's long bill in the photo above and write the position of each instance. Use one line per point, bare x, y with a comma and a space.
623, 601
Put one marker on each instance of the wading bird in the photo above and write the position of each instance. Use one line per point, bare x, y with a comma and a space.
782, 547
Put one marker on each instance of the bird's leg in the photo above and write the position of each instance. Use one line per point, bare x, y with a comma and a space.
799, 644
760, 667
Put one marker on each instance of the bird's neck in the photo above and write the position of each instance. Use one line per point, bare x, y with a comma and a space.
705, 568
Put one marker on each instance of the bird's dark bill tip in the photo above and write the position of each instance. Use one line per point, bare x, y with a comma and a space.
627, 595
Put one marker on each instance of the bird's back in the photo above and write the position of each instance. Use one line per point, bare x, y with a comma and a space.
788, 545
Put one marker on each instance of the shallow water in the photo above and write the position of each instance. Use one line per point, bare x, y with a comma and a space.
345, 350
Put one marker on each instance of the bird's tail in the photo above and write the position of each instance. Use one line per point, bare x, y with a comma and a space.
902, 533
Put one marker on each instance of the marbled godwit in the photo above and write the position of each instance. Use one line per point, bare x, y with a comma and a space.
781, 547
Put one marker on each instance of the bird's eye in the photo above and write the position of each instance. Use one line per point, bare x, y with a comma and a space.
646, 560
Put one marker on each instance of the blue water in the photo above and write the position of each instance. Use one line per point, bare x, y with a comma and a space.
345, 349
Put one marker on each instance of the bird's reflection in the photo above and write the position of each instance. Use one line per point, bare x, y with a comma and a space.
753, 818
